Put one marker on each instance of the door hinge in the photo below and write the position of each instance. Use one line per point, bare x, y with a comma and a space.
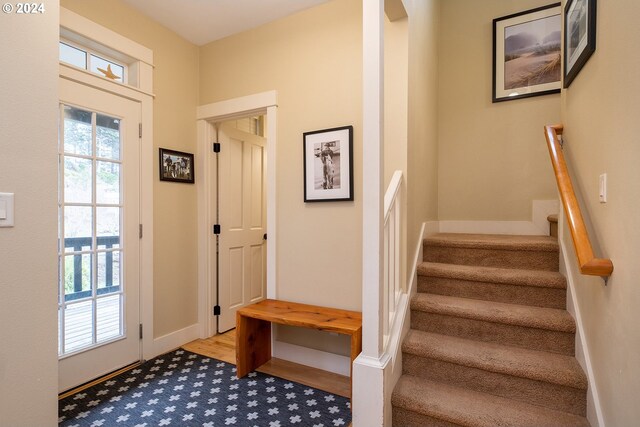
139, 130
140, 231
140, 330
216, 147
216, 310
216, 229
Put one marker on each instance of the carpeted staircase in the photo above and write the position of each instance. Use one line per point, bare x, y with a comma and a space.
491, 343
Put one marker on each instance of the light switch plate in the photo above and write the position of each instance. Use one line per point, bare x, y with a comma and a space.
602, 194
6, 209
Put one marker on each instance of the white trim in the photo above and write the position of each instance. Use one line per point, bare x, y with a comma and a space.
538, 226
72, 23
272, 186
237, 107
567, 267
86, 28
368, 391
175, 339
88, 78
206, 115
372, 187
318, 359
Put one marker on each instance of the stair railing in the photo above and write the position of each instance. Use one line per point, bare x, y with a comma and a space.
393, 287
589, 264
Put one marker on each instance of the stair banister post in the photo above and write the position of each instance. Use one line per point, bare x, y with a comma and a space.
368, 368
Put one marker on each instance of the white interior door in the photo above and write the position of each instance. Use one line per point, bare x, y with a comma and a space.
243, 222
99, 193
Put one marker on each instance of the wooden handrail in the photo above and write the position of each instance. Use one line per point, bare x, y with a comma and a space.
589, 264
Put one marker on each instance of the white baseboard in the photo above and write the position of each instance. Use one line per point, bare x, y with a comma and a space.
538, 226
175, 339
567, 267
311, 357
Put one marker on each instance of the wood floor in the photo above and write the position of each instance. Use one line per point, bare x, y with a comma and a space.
223, 347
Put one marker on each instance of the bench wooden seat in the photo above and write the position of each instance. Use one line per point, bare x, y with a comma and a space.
253, 328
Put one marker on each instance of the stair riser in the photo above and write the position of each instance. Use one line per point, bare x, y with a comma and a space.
406, 418
518, 336
499, 292
529, 260
540, 393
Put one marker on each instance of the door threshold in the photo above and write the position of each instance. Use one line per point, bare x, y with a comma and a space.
98, 380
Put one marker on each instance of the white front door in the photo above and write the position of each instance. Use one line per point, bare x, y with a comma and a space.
243, 222
99, 248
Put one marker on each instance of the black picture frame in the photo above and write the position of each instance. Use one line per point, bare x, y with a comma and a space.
328, 165
579, 36
527, 53
176, 166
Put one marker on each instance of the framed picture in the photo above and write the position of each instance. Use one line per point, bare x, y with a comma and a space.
526, 53
176, 166
579, 36
328, 164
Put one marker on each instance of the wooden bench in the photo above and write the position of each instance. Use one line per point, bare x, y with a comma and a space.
253, 328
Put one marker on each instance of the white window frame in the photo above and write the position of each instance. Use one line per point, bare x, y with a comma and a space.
139, 87
99, 53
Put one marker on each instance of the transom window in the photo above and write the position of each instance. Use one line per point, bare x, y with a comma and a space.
87, 59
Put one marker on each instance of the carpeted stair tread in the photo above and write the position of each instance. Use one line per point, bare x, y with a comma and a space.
495, 312
537, 278
532, 364
494, 241
469, 408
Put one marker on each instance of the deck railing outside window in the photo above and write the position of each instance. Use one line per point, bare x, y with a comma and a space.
78, 244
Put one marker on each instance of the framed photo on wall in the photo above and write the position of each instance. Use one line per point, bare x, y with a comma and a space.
527, 54
328, 164
579, 36
176, 166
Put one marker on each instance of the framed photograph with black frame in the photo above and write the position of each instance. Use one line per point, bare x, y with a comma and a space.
579, 36
527, 53
176, 166
328, 165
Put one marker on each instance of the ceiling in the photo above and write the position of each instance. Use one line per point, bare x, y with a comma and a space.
203, 21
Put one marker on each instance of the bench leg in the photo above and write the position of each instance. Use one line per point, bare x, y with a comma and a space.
253, 344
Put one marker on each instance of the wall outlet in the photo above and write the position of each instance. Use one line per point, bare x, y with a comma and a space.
602, 194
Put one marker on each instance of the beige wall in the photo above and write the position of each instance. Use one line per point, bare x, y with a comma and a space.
422, 145
313, 60
396, 86
492, 157
175, 205
600, 112
28, 266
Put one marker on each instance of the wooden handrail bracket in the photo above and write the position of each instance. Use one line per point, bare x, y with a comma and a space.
589, 264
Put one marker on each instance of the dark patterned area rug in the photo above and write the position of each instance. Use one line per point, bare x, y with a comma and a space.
185, 389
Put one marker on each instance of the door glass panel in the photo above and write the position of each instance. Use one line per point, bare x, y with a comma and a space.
78, 228
108, 227
77, 131
108, 183
108, 310
108, 137
78, 180
90, 307
108, 272
77, 276
78, 326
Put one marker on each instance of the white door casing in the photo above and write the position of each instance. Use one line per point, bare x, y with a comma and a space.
102, 357
243, 221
